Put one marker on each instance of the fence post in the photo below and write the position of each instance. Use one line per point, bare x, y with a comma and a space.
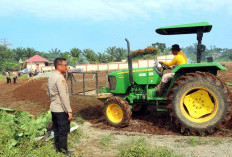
97, 83
71, 82
107, 82
84, 83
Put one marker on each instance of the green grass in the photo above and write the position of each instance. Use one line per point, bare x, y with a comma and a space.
38, 148
106, 141
79, 120
75, 137
141, 148
218, 141
30, 148
194, 141
2, 77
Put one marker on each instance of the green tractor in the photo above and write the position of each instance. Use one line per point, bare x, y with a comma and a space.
197, 100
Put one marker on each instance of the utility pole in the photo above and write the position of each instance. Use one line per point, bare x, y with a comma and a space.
4, 42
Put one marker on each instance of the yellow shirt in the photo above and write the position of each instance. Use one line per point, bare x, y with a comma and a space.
180, 58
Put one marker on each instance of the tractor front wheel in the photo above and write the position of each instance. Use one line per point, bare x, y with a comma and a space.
199, 103
117, 112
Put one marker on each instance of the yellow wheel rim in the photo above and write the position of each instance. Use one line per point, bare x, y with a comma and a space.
114, 113
199, 105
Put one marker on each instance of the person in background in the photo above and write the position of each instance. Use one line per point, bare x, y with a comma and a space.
35, 73
69, 74
29, 73
60, 106
8, 79
15, 76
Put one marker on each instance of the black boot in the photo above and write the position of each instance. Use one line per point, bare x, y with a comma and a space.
63, 145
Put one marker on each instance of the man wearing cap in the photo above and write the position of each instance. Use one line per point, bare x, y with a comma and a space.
179, 58
60, 106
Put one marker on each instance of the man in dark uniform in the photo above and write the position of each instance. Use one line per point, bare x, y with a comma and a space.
60, 105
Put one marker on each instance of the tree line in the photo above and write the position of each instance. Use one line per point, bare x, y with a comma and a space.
10, 57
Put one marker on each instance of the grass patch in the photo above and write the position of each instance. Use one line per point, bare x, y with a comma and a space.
218, 141
74, 137
193, 141
79, 120
2, 77
140, 148
31, 148
106, 141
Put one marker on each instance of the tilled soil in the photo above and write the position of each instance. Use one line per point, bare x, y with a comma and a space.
32, 97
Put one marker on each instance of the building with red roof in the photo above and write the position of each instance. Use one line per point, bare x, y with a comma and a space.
36, 62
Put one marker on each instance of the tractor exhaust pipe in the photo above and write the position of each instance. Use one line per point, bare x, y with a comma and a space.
200, 47
129, 62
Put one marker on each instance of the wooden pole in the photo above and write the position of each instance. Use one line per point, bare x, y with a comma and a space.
97, 83
83, 83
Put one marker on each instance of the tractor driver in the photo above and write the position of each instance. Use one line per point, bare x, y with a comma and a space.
179, 58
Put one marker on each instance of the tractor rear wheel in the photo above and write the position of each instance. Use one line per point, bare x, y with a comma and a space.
117, 112
199, 103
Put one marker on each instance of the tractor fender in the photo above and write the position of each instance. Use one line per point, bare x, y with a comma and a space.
211, 67
180, 70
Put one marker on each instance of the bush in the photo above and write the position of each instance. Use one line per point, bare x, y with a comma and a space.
141, 52
18, 131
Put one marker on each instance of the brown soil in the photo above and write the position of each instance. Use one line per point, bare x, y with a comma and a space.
32, 97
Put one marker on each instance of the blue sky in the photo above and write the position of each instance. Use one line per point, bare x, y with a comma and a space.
98, 24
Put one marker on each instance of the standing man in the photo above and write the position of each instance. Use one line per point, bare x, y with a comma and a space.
15, 76
180, 58
60, 105
8, 79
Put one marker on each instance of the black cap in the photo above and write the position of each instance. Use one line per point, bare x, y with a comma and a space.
175, 47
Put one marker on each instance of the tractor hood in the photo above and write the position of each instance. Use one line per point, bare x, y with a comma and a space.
185, 28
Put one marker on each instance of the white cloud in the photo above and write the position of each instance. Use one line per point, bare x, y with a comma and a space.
107, 9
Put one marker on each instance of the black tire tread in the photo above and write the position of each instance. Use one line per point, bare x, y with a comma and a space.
125, 108
221, 86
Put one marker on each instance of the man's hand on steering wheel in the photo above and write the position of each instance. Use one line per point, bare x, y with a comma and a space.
164, 66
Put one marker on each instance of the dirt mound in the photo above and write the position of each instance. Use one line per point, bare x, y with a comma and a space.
32, 91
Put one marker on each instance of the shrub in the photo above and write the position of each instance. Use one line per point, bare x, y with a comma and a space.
148, 50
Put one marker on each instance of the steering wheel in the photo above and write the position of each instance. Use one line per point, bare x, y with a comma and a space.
157, 70
165, 66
